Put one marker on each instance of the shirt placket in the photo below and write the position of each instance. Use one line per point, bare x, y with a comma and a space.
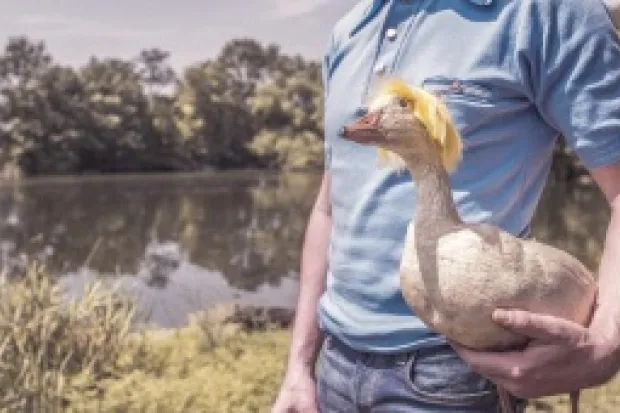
398, 19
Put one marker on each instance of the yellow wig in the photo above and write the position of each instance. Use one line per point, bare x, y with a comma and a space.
435, 117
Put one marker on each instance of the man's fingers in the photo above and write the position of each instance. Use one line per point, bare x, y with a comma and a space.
539, 326
511, 366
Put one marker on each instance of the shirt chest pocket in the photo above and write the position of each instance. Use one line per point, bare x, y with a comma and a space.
472, 104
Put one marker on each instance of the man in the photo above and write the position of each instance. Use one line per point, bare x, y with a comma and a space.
515, 75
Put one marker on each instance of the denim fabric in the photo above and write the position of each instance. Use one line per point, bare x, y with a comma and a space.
429, 380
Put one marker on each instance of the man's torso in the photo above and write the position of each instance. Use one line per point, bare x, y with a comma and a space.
479, 57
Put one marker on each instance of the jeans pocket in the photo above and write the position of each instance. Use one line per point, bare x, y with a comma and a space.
440, 377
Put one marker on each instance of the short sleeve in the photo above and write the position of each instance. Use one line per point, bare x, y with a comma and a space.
325, 73
577, 77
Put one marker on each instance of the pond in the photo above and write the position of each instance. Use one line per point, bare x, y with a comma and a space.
184, 242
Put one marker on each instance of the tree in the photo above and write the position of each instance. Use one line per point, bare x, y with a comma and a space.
120, 118
244, 60
43, 121
214, 125
23, 60
288, 113
154, 70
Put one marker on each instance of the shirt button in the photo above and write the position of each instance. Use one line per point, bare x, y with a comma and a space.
391, 34
379, 68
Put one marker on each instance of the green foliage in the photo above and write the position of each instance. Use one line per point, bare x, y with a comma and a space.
44, 125
290, 117
23, 60
289, 150
213, 123
183, 372
154, 70
128, 116
52, 352
121, 124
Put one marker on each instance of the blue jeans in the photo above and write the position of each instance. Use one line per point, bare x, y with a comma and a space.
434, 380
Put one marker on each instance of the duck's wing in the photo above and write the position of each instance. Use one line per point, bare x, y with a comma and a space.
484, 247
543, 278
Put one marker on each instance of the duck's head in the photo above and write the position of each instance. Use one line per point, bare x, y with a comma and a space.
406, 123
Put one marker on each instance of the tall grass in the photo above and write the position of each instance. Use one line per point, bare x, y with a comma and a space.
53, 351
86, 356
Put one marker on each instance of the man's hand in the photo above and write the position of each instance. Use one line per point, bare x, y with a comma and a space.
560, 358
297, 395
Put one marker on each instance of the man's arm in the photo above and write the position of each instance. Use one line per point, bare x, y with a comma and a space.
298, 392
306, 339
608, 313
563, 356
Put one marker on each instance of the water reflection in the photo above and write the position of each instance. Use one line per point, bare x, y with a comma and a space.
189, 288
244, 225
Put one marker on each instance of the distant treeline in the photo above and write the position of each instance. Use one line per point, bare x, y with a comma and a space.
251, 106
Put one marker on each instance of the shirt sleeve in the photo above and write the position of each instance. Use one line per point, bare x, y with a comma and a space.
576, 76
325, 71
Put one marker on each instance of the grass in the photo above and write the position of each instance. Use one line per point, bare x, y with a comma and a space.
605, 399
52, 352
180, 372
84, 356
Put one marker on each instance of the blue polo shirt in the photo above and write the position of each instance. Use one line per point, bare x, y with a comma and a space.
515, 74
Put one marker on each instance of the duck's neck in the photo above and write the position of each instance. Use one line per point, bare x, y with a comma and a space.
434, 207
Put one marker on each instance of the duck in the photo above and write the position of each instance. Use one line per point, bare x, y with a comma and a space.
613, 9
453, 274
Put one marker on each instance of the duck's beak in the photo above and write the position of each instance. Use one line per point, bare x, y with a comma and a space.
365, 129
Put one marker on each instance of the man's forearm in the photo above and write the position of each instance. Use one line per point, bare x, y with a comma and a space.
306, 338
609, 275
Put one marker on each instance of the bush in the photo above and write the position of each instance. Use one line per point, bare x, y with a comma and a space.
53, 351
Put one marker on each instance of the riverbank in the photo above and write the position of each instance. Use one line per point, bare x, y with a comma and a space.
88, 356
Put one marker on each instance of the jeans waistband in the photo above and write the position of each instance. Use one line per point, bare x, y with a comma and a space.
374, 359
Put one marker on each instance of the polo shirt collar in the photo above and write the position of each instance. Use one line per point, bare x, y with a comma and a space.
376, 5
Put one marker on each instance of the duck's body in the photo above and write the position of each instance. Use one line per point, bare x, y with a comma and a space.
453, 275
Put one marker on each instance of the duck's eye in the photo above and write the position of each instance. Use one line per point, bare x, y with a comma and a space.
403, 103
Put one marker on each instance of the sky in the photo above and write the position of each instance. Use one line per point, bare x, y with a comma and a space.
191, 30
